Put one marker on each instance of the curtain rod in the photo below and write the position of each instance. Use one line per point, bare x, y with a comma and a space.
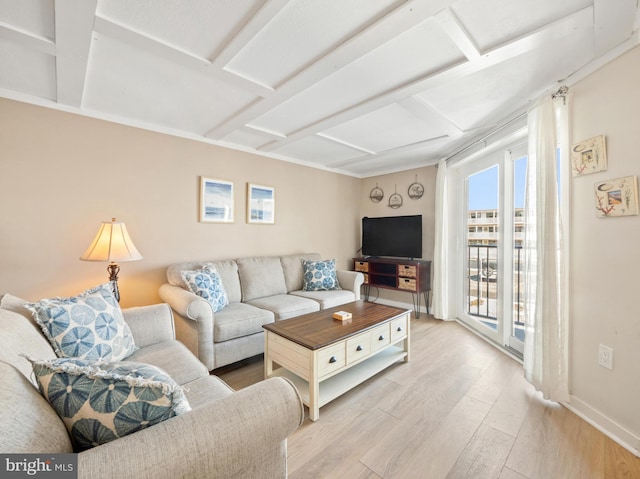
485, 137
559, 93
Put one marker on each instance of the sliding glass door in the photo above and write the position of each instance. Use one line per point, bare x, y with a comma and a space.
491, 273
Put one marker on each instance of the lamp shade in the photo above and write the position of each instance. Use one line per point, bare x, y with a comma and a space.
112, 243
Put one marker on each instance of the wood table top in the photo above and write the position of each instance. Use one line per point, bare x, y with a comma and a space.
319, 329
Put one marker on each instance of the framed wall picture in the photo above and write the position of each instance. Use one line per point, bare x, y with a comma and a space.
216, 201
261, 204
589, 156
617, 197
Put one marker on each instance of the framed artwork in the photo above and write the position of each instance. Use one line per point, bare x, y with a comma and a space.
589, 156
261, 204
617, 197
216, 201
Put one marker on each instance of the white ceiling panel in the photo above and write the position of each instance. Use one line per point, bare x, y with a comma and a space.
303, 31
402, 160
319, 150
126, 81
200, 27
417, 52
247, 137
361, 87
27, 71
493, 22
33, 16
490, 95
387, 128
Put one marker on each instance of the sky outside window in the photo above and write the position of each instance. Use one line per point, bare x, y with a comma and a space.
483, 187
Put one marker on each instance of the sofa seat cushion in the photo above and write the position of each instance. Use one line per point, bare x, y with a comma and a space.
286, 306
27, 422
238, 320
172, 357
205, 390
327, 299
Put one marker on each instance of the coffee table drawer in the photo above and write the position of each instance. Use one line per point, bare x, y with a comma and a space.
380, 337
331, 358
358, 347
399, 328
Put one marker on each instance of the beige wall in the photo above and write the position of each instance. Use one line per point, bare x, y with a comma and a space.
62, 174
425, 206
605, 255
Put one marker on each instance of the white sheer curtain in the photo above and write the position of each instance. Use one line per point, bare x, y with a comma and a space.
442, 301
546, 322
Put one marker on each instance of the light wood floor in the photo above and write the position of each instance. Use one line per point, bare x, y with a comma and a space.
458, 409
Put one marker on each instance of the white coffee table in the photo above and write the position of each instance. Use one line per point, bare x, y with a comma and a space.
325, 357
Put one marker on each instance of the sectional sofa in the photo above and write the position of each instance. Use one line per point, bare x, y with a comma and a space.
260, 290
225, 434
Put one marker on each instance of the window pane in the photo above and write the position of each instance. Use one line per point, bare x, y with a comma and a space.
482, 257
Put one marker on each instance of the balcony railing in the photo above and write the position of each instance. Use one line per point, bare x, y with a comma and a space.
483, 283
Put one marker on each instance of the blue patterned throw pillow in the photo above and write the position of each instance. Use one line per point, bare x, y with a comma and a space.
319, 275
206, 283
87, 326
102, 402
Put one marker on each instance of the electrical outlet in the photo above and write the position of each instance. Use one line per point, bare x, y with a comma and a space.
605, 356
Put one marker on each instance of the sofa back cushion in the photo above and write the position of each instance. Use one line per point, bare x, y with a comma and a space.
260, 277
19, 334
227, 270
28, 424
292, 267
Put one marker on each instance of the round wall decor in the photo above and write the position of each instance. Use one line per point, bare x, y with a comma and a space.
376, 194
415, 190
395, 200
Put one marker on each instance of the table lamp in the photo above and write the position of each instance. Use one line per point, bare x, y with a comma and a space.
112, 244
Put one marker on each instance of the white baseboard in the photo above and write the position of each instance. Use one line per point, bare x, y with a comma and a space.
605, 425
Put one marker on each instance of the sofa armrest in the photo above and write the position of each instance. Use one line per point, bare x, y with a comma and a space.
351, 280
240, 436
150, 324
191, 308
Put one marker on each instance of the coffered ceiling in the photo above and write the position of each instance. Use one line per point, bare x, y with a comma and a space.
362, 87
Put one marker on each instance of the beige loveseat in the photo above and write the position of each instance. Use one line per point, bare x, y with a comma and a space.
227, 434
260, 290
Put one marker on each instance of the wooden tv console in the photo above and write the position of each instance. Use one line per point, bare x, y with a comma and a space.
411, 276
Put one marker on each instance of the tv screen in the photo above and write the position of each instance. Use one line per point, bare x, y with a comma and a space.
396, 236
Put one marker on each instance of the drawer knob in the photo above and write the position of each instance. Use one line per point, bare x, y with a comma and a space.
399, 328
359, 348
332, 359
381, 338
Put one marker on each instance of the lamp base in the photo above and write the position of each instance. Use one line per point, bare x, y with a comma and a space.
113, 269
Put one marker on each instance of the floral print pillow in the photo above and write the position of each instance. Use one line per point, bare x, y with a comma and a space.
319, 275
206, 283
102, 402
87, 326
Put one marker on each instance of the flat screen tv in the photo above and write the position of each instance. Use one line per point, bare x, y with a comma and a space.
395, 236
